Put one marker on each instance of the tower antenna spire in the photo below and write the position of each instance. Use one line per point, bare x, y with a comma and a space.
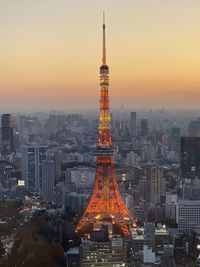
104, 40
106, 205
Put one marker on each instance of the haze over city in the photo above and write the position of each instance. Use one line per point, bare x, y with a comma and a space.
50, 51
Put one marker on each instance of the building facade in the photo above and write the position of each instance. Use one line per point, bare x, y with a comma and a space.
32, 157
109, 253
155, 183
188, 215
143, 127
7, 132
190, 157
133, 125
48, 180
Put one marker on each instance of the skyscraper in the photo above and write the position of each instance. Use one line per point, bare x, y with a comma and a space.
190, 157
143, 127
47, 180
175, 139
133, 125
155, 183
7, 132
32, 157
106, 205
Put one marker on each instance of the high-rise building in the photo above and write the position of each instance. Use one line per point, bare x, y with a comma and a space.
7, 132
190, 157
32, 157
133, 125
170, 205
48, 180
143, 127
106, 203
175, 139
155, 183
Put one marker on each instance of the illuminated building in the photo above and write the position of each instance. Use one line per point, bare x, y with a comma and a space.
106, 204
102, 250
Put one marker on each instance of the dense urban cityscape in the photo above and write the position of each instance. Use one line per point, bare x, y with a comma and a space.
47, 175
100, 187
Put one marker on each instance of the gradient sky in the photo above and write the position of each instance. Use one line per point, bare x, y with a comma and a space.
50, 52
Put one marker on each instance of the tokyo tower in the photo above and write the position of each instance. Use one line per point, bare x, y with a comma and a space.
106, 204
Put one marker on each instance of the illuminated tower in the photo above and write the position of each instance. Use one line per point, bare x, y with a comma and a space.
106, 204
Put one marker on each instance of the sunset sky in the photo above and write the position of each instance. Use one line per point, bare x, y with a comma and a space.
50, 52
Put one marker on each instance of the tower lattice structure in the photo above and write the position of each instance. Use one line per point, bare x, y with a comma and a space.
106, 204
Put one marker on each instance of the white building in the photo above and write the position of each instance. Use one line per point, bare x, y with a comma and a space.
188, 215
32, 157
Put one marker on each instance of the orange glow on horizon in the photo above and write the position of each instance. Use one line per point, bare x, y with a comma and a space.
52, 50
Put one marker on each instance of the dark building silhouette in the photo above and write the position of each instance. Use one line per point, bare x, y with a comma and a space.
143, 127
190, 157
133, 124
7, 132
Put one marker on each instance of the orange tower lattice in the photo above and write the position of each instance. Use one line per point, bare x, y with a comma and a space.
106, 203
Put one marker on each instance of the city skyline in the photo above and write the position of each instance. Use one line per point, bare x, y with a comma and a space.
121, 188
50, 54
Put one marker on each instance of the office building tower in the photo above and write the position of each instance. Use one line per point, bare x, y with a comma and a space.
32, 157
170, 205
143, 127
133, 125
188, 215
190, 157
48, 180
106, 203
175, 139
155, 183
7, 132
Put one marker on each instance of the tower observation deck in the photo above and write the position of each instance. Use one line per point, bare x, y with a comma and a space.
106, 204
